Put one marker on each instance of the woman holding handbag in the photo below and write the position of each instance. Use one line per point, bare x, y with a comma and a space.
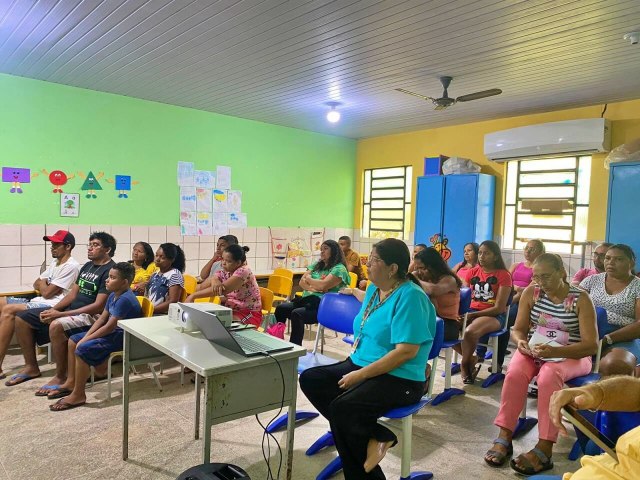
557, 347
329, 274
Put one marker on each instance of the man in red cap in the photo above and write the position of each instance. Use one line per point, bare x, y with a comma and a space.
53, 284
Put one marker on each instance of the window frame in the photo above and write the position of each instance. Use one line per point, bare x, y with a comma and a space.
406, 198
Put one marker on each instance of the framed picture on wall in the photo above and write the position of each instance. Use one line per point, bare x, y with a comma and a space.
69, 204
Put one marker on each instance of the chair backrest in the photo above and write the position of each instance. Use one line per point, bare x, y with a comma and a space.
438, 339
604, 326
365, 270
146, 306
266, 298
283, 272
337, 311
190, 284
280, 285
211, 299
465, 300
354, 280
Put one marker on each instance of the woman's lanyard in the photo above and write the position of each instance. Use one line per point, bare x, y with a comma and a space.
370, 308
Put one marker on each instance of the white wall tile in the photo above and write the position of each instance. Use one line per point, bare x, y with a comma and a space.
81, 233
33, 255
252, 249
29, 274
251, 262
249, 235
10, 277
262, 234
97, 228
157, 234
190, 239
192, 252
262, 264
122, 233
140, 234
263, 250
208, 239
10, 235
123, 252
32, 234
206, 251
10, 256
173, 234
192, 268
238, 232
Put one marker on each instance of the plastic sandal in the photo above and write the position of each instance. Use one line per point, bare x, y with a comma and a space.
529, 469
501, 458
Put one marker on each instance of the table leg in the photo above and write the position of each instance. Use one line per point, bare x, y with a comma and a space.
197, 420
208, 416
291, 424
125, 395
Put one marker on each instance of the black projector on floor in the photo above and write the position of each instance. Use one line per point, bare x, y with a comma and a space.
214, 471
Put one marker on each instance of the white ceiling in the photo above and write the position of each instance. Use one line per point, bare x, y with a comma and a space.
280, 61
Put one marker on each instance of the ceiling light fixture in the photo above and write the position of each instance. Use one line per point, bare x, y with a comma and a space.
333, 115
632, 37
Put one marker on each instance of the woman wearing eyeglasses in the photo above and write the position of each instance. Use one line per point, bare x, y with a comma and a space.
557, 348
393, 334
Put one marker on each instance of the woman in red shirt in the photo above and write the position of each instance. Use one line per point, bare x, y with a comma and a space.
490, 284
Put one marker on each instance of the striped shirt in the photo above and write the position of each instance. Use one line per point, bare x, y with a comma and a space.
561, 316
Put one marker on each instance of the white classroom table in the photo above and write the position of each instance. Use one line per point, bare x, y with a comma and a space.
17, 290
235, 386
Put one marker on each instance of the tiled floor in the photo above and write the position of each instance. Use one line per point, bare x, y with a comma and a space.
85, 443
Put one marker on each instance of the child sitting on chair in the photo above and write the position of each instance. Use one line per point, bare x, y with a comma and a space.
93, 348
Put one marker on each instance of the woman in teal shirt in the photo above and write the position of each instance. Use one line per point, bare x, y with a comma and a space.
393, 334
329, 274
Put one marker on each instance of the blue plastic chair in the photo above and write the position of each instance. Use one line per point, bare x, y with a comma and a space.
404, 414
525, 423
335, 312
449, 367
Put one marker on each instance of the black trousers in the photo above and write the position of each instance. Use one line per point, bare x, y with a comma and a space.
299, 317
353, 413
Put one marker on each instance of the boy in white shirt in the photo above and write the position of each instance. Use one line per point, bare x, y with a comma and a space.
53, 284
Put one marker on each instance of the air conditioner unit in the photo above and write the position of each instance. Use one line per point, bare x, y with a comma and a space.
572, 136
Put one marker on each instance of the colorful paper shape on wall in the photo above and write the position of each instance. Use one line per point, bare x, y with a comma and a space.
223, 178
440, 244
234, 201
123, 184
188, 199
58, 178
220, 201
188, 223
69, 204
91, 183
205, 226
204, 179
204, 199
16, 176
185, 174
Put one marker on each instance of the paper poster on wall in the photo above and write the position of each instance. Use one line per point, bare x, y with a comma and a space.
203, 221
188, 224
204, 199
185, 174
204, 179
237, 220
91, 184
57, 178
223, 178
234, 201
220, 225
188, 199
220, 201
123, 184
69, 204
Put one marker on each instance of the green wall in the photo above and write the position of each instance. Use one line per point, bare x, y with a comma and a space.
288, 177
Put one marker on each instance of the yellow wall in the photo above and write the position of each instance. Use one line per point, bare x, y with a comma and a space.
467, 141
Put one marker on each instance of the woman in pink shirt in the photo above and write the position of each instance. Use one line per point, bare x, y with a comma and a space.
470, 260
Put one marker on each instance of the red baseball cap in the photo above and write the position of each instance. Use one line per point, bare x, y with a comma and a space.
61, 236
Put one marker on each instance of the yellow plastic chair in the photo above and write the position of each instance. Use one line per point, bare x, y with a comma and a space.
354, 280
190, 285
283, 272
266, 298
365, 271
281, 287
211, 299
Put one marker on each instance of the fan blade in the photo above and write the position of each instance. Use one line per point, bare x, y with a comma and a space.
441, 107
478, 95
424, 97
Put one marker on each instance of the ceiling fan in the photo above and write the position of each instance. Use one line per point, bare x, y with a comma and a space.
446, 101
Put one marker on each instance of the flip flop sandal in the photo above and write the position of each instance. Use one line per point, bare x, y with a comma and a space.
529, 469
61, 406
59, 394
3, 375
19, 378
500, 457
46, 390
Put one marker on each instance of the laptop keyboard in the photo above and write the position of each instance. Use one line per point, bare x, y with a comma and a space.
249, 345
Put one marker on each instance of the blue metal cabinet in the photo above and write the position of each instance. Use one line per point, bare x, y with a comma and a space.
453, 210
623, 216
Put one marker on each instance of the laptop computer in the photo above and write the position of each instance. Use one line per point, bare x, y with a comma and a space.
247, 342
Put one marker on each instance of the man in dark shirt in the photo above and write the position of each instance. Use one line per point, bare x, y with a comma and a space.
75, 313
